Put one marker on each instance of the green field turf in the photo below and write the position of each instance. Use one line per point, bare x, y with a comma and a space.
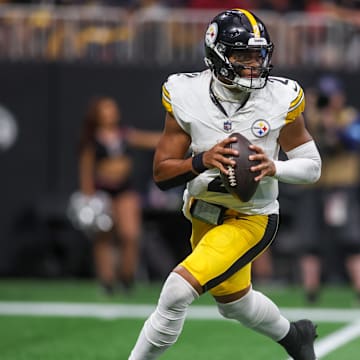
87, 291
58, 337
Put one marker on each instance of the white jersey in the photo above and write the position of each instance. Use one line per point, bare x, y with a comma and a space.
188, 98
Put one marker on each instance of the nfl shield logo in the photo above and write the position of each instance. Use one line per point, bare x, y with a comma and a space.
227, 125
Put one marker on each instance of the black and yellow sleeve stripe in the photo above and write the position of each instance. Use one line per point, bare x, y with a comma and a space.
166, 100
296, 107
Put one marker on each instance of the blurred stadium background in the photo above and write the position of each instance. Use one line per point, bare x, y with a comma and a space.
54, 56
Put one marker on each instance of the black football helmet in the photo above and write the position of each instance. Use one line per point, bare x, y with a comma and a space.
238, 31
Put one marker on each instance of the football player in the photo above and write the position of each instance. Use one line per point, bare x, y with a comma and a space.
235, 94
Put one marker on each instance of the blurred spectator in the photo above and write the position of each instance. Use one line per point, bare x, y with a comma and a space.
324, 32
222, 4
105, 165
93, 39
347, 13
342, 6
283, 6
329, 213
177, 3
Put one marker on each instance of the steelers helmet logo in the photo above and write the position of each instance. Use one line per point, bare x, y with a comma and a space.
211, 34
260, 128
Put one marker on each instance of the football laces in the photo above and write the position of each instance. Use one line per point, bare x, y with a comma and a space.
231, 176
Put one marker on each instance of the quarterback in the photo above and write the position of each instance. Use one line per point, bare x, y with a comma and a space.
235, 94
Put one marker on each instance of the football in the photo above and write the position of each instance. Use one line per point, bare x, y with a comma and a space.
240, 180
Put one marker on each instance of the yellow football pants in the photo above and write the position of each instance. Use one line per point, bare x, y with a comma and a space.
222, 254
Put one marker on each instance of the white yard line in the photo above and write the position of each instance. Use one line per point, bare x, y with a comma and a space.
103, 311
322, 315
141, 311
337, 339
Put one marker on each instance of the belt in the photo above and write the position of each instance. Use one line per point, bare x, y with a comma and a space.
211, 213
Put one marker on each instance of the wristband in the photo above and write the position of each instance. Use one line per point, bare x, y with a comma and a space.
197, 163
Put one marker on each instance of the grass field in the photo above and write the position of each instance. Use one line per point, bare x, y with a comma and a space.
73, 320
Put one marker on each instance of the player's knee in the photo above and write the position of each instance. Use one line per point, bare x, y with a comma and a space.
234, 309
257, 312
165, 324
177, 294
249, 310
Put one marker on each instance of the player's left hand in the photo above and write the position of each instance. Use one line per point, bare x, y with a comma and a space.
266, 166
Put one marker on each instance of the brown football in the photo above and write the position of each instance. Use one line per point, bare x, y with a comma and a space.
240, 181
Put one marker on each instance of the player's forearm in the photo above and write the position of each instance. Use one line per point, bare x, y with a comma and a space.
174, 172
303, 166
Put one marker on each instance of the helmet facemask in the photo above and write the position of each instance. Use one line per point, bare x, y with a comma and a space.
249, 68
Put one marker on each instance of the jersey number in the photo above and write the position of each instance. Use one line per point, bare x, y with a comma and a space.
284, 82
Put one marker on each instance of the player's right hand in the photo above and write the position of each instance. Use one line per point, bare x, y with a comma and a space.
220, 155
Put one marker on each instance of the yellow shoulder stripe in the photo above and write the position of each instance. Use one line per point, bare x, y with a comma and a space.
166, 100
297, 99
297, 108
165, 91
252, 21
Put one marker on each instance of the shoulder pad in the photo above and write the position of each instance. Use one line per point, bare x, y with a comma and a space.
293, 93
